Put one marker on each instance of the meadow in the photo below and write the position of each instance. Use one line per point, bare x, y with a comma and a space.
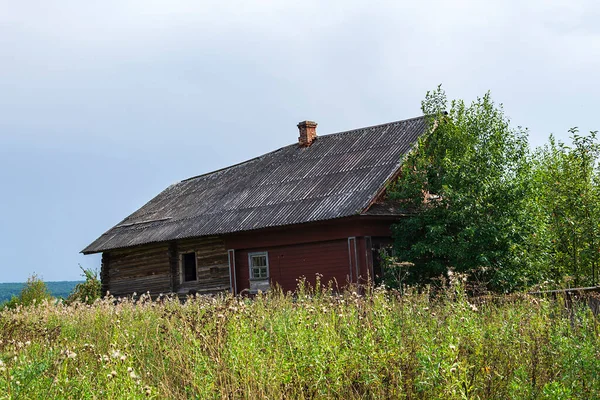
375, 344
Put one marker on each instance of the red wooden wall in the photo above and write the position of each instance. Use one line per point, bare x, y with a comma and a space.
288, 263
340, 250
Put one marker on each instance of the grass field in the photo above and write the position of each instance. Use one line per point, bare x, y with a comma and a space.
311, 345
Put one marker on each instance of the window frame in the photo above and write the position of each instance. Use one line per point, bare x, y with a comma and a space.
251, 267
182, 267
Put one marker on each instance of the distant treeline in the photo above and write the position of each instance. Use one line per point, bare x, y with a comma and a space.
57, 289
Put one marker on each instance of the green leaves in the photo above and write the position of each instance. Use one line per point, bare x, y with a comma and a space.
469, 183
484, 204
569, 183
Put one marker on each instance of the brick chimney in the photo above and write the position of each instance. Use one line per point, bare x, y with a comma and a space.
308, 133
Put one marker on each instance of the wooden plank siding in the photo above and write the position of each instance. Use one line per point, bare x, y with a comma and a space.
340, 250
156, 268
288, 263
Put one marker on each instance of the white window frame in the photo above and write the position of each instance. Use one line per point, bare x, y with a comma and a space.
254, 254
181, 267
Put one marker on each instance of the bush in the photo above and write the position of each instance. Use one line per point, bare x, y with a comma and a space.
88, 291
34, 292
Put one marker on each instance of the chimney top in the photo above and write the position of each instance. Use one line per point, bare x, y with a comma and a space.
308, 133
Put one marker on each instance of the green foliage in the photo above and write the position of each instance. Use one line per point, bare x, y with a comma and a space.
469, 184
88, 291
310, 345
58, 289
34, 292
569, 184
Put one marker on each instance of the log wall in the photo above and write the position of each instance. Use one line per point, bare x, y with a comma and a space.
138, 269
156, 268
212, 266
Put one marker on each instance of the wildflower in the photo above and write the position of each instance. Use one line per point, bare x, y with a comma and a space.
452, 347
132, 375
113, 373
2, 367
453, 369
123, 357
71, 354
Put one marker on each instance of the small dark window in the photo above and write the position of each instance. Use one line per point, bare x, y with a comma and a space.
188, 261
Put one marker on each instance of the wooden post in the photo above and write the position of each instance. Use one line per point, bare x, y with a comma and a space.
105, 264
232, 279
174, 266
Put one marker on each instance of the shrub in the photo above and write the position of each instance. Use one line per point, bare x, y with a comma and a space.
34, 292
88, 291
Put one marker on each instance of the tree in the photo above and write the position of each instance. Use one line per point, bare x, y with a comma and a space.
469, 185
569, 181
34, 292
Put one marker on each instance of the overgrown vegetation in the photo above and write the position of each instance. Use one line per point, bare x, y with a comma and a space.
311, 345
59, 289
34, 292
485, 204
87, 291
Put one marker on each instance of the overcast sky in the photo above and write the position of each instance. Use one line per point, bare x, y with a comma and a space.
104, 104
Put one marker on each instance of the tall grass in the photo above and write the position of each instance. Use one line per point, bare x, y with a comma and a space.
313, 344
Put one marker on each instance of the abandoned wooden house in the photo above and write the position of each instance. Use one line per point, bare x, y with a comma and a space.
316, 206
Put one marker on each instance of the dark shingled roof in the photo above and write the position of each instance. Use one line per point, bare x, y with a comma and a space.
337, 176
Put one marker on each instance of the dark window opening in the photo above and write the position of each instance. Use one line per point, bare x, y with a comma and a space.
188, 261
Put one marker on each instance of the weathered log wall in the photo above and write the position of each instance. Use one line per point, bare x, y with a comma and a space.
138, 269
212, 266
156, 268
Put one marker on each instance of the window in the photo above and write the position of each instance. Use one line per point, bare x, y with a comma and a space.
259, 265
188, 267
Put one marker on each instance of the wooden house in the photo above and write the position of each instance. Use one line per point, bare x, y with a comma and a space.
315, 206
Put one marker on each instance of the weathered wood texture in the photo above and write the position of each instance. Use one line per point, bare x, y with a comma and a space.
156, 268
104, 273
212, 266
139, 269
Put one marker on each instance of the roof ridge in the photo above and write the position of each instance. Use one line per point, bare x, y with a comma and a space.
373, 126
293, 144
